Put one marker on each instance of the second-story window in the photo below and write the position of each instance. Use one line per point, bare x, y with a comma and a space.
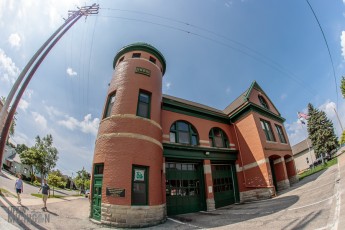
136, 55
281, 134
218, 138
266, 126
144, 104
263, 102
184, 133
109, 106
153, 60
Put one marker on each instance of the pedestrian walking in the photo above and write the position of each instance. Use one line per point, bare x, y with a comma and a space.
19, 187
45, 192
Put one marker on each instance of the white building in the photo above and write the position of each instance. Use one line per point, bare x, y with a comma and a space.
304, 155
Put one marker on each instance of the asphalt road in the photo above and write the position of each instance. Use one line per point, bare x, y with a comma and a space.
316, 202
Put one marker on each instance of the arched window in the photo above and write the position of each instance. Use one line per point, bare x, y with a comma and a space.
263, 102
218, 138
183, 133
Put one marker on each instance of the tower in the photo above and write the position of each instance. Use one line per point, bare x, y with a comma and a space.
128, 159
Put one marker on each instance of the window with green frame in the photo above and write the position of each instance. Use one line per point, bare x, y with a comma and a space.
263, 102
218, 138
110, 104
184, 133
281, 134
266, 126
144, 104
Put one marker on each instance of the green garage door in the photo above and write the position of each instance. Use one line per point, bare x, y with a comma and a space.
184, 188
223, 184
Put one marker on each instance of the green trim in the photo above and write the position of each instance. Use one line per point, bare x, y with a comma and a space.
251, 107
224, 138
197, 152
178, 107
142, 47
256, 85
191, 132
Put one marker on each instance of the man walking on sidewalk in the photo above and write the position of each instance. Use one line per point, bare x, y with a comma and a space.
45, 191
19, 187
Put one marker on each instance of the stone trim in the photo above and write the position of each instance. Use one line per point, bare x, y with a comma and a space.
210, 204
165, 136
257, 194
131, 116
293, 179
204, 142
207, 169
132, 216
251, 165
281, 159
131, 135
164, 167
283, 184
289, 159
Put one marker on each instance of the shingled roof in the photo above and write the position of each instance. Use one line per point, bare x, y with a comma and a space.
301, 146
194, 104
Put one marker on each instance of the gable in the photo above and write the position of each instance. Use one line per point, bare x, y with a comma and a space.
253, 95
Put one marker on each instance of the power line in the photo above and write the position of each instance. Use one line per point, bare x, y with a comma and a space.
329, 52
267, 62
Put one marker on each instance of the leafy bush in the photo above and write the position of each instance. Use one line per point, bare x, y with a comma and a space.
37, 183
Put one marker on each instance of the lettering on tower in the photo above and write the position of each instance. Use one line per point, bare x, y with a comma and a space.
144, 71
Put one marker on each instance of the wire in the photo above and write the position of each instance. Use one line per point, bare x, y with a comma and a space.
329, 52
296, 78
266, 62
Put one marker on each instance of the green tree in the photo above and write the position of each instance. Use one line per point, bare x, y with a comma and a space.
342, 86
55, 180
321, 131
342, 139
29, 157
82, 180
47, 154
13, 124
21, 148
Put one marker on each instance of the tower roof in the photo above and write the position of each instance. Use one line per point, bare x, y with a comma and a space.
143, 47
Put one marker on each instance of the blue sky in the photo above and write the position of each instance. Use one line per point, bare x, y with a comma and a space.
214, 50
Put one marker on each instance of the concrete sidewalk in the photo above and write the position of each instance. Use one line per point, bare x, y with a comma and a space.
12, 201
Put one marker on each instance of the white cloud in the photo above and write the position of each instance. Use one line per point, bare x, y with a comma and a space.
168, 85
297, 132
283, 96
53, 112
23, 104
28, 93
228, 90
14, 40
71, 123
342, 43
88, 125
8, 69
40, 120
71, 72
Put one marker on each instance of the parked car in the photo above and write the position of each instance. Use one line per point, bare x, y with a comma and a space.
87, 193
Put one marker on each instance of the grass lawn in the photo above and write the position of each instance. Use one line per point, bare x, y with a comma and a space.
318, 168
39, 195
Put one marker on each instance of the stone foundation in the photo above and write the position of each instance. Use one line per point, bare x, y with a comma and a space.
256, 194
293, 179
211, 204
283, 184
132, 216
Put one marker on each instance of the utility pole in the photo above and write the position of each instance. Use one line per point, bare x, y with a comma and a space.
73, 17
341, 126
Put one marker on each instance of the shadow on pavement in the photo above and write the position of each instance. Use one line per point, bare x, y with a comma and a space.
237, 213
21, 216
295, 224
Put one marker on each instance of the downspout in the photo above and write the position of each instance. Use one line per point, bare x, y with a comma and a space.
239, 149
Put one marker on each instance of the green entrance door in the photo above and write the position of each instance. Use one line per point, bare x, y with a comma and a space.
184, 188
223, 184
97, 192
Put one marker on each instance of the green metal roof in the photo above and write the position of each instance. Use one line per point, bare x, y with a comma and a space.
143, 47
